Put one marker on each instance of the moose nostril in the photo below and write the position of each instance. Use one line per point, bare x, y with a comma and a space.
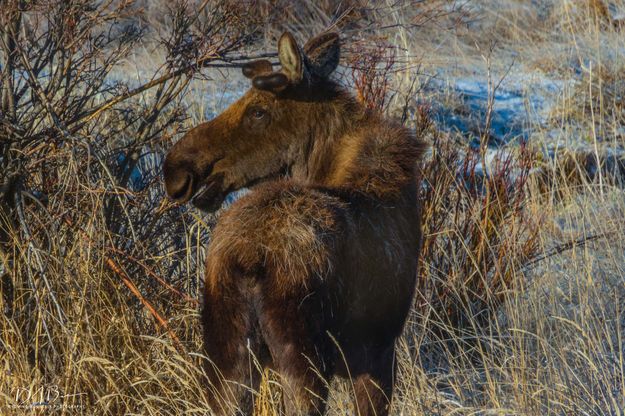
180, 189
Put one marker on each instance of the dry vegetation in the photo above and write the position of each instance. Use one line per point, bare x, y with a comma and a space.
521, 298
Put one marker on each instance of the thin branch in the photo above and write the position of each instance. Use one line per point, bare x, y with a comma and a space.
235, 62
135, 291
569, 245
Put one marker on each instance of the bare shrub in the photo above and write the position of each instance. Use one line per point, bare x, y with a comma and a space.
477, 233
80, 192
371, 64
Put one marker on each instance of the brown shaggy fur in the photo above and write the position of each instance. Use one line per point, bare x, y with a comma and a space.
313, 272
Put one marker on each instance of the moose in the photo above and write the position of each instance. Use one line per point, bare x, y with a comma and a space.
313, 272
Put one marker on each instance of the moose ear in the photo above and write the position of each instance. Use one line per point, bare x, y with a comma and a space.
291, 58
258, 67
323, 53
275, 82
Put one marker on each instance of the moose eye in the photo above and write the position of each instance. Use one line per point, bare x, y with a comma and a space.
258, 113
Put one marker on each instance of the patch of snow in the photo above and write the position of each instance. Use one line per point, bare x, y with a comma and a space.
232, 197
520, 103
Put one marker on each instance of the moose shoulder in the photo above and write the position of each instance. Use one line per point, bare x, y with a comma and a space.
322, 254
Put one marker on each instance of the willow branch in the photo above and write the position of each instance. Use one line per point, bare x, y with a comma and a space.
135, 291
235, 62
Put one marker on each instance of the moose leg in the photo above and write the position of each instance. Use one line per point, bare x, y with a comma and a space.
302, 355
233, 343
374, 389
288, 240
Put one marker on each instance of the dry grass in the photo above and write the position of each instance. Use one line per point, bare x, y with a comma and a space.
520, 308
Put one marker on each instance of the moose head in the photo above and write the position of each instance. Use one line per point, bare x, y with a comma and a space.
263, 134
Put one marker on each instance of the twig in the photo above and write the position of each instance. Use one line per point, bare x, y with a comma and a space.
32, 283
135, 291
159, 279
36, 86
201, 63
566, 246
133, 288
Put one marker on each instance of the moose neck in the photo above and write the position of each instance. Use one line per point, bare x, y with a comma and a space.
330, 117
344, 146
